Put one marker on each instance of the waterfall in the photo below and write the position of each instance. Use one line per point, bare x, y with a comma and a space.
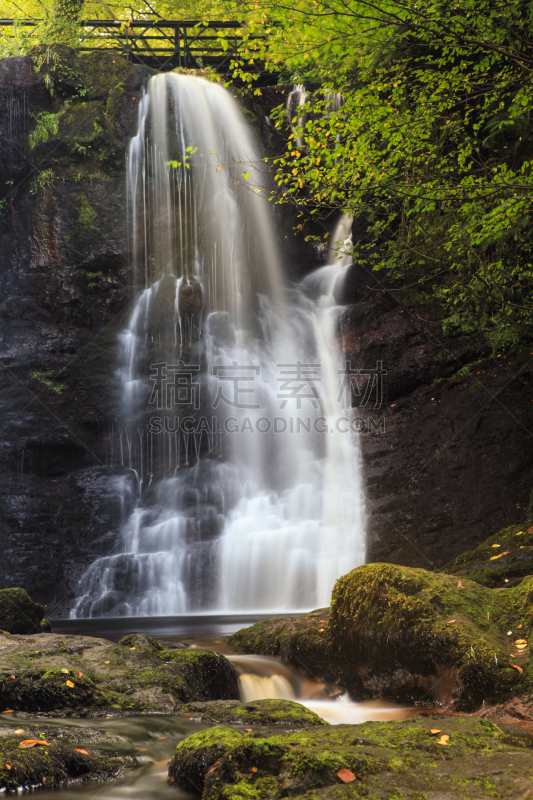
248, 490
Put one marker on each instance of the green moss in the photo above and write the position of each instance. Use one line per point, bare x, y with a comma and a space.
101, 72
45, 377
384, 757
258, 712
502, 560
87, 216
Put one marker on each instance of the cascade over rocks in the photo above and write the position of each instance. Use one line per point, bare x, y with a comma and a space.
407, 634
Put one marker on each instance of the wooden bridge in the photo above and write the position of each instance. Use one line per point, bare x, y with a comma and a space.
160, 44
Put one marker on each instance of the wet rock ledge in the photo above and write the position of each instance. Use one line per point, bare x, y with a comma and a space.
85, 676
47, 756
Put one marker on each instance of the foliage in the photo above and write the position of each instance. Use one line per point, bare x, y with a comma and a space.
431, 144
46, 124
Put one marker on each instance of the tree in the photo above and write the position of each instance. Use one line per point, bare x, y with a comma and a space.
432, 146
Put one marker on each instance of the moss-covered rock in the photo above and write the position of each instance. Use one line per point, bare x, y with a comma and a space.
300, 641
83, 675
383, 761
502, 560
413, 634
63, 757
18, 612
258, 712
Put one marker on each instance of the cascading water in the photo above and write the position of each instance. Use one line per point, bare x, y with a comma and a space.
256, 503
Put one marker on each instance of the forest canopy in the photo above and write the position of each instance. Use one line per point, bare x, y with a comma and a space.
429, 146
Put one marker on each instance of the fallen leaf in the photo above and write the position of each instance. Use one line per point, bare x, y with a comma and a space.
254, 769
443, 739
33, 743
65, 671
345, 775
529, 530
107, 662
521, 641
12, 677
69, 684
9, 711
520, 625
213, 768
36, 651
132, 648
248, 730
79, 750
80, 674
450, 621
515, 666
161, 737
509, 633
143, 749
496, 545
493, 558
8, 766
19, 730
434, 731
44, 779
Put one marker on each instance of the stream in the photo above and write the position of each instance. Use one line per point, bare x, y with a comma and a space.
152, 738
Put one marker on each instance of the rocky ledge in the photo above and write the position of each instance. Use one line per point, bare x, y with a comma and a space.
410, 635
443, 757
54, 755
257, 712
81, 675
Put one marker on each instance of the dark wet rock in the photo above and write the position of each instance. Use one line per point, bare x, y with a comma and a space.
256, 712
74, 754
446, 450
502, 560
19, 614
380, 760
411, 635
64, 286
51, 673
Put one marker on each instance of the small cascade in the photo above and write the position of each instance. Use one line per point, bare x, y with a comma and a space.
296, 100
248, 492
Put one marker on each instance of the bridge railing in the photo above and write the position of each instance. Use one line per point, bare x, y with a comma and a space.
160, 44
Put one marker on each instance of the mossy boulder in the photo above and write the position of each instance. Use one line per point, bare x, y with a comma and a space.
501, 561
53, 673
300, 641
18, 613
417, 635
61, 756
258, 712
385, 761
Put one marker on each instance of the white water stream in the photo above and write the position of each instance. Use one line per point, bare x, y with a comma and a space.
260, 506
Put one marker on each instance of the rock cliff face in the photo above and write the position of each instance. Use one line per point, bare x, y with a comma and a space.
448, 459
63, 294
452, 466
